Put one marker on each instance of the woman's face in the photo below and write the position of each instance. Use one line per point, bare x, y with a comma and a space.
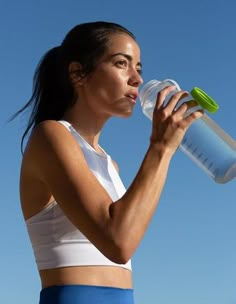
112, 88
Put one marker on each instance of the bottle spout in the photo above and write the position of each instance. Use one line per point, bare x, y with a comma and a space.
204, 100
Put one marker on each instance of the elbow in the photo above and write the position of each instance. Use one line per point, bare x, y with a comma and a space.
119, 259
119, 254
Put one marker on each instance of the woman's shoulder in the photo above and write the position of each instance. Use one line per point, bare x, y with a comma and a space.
47, 130
49, 139
48, 127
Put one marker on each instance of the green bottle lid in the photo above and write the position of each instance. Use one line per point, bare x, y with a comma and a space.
204, 100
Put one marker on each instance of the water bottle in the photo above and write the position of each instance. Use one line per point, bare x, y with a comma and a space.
205, 143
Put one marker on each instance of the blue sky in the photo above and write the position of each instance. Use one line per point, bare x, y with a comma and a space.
188, 255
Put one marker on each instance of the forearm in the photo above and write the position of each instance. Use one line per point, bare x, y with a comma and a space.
133, 212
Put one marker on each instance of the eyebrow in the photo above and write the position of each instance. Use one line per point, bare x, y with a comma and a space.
130, 58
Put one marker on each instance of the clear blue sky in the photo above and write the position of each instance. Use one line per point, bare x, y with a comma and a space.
188, 255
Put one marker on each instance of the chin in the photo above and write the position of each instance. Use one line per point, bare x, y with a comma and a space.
125, 115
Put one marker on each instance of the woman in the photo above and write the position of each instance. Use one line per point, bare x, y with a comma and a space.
84, 226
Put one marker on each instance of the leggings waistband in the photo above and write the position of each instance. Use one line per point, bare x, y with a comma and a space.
85, 294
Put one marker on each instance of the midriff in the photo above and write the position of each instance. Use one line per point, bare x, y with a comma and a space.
87, 275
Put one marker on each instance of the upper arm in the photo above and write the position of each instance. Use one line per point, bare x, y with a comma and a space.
60, 164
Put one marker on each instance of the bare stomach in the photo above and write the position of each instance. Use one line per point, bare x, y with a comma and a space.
87, 275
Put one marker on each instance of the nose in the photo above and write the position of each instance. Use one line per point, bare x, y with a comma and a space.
135, 78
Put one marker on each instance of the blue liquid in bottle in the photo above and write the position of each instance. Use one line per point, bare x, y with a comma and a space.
205, 143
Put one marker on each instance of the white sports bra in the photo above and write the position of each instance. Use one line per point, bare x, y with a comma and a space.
55, 240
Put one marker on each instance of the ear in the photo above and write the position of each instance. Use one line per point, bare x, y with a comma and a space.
75, 73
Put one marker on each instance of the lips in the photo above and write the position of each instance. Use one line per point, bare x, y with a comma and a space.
132, 95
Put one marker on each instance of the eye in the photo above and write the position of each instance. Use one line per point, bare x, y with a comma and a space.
140, 71
122, 63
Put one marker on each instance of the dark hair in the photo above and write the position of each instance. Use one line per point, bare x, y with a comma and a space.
52, 90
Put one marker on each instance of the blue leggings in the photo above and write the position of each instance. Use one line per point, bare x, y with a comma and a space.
85, 294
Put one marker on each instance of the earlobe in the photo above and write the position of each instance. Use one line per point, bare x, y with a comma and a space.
75, 73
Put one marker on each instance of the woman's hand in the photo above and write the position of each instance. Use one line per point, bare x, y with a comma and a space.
170, 122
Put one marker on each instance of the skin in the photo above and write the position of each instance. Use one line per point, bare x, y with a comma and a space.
54, 167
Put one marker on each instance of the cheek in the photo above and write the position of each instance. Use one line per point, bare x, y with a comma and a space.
117, 84
110, 85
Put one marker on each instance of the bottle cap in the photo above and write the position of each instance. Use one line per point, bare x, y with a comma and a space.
204, 100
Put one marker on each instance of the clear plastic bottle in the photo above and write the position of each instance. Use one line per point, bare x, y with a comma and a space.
208, 145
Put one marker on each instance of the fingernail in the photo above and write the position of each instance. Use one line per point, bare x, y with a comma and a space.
192, 103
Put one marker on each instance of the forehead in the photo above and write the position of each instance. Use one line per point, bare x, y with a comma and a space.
123, 43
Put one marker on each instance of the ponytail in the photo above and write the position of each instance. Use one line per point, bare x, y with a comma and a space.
52, 92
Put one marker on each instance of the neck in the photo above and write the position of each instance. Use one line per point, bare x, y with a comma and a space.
87, 124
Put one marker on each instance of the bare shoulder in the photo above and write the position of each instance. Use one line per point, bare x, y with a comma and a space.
49, 139
49, 133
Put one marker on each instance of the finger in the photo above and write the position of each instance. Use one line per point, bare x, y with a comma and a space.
175, 100
186, 106
189, 119
161, 96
